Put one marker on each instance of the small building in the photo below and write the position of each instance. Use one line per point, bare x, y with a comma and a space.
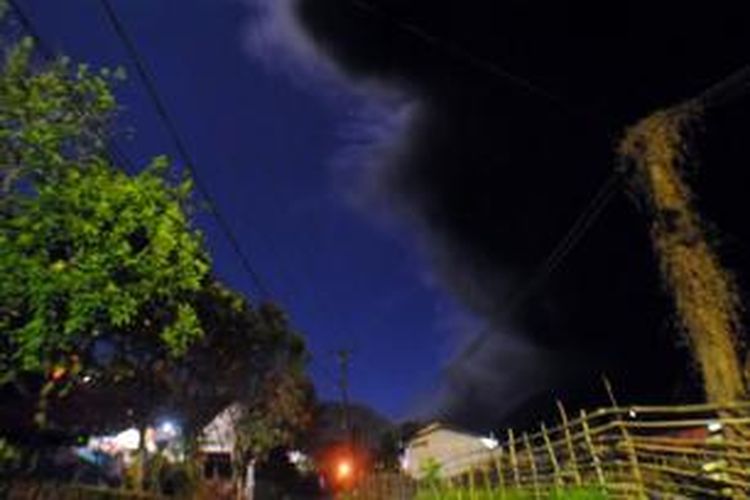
217, 450
450, 450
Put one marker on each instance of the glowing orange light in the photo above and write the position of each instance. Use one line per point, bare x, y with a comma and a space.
344, 470
57, 373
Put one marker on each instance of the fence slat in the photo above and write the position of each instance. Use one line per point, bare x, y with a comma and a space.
552, 457
569, 442
664, 451
532, 463
500, 471
592, 450
513, 459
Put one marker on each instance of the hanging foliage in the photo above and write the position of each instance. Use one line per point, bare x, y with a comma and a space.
705, 294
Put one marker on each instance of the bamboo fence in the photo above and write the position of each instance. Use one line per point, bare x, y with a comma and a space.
384, 486
49, 491
689, 451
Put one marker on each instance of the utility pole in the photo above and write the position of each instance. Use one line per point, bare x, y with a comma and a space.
344, 357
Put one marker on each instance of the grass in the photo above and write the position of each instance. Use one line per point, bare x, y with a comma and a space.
466, 494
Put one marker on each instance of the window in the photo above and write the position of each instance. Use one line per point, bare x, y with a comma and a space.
217, 466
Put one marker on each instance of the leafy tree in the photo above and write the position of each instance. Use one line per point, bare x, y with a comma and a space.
88, 254
106, 301
52, 117
275, 418
705, 294
393, 442
94, 254
277, 415
241, 347
248, 343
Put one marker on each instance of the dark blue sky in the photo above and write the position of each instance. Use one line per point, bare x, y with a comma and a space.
264, 147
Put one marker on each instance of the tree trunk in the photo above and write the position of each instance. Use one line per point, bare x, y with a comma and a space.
142, 473
704, 294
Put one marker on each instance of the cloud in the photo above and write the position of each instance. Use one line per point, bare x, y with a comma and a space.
274, 36
391, 132
487, 178
374, 138
375, 133
480, 390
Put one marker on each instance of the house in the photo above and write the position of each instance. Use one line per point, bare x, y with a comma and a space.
217, 450
450, 450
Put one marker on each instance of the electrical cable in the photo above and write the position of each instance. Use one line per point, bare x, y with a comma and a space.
150, 85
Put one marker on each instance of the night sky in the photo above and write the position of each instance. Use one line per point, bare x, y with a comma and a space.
397, 171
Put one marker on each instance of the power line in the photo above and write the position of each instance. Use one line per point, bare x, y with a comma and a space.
733, 87
28, 25
549, 265
582, 224
149, 83
598, 203
481, 63
118, 157
459, 51
552, 262
451, 48
343, 357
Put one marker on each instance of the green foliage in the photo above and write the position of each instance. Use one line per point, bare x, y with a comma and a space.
10, 457
277, 408
431, 471
86, 251
50, 118
277, 417
255, 348
389, 450
87, 255
91, 256
706, 296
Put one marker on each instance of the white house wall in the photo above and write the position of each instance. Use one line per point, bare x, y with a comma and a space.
456, 452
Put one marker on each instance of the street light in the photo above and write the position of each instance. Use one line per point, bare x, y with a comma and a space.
344, 470
168, 428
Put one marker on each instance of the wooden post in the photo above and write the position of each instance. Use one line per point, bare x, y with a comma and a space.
500, 471
486, 479
532, 462
438, 486
610, 392
513, 459
552, 457
472, 483
569, 442
592, 450
458, 488
447, 486
627, 441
